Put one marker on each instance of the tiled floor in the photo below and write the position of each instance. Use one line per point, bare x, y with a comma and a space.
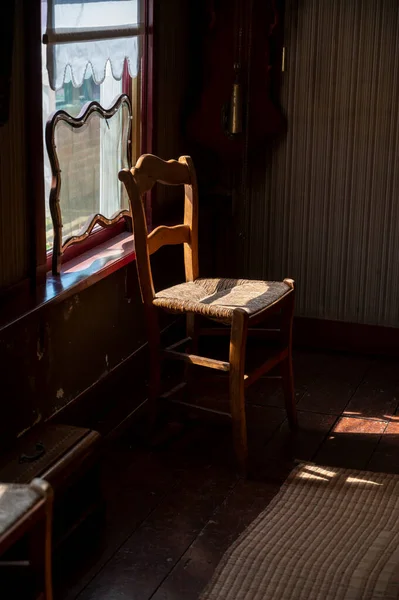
172, 510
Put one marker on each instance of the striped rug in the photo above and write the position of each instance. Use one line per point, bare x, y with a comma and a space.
329, 534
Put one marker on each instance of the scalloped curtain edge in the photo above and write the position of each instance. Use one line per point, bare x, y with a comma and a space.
75, 73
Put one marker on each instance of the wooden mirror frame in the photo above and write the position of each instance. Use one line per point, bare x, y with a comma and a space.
55, 209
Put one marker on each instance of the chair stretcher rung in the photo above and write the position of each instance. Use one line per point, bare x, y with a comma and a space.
185, 340
176, 389
200, 408
14, 564
267, 366
252, 332
194, 359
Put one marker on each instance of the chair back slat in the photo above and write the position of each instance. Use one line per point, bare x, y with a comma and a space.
168, 236
148, 170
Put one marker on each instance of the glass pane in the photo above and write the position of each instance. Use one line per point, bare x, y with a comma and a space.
72, 14
70, 60
90, 158
72, 99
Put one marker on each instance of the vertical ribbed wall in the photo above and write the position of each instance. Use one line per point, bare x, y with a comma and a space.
170, 58
325, 203
13, 209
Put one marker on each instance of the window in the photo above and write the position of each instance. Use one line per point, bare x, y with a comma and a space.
92, 51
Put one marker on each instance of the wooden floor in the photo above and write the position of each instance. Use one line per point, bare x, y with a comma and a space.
173, 509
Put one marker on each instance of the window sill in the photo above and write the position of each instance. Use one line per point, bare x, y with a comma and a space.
76, 275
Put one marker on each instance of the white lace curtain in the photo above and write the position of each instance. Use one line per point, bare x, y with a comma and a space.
86, 35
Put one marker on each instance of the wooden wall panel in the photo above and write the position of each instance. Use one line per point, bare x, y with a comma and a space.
324, 206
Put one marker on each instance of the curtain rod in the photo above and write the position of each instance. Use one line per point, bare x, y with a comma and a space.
64, 35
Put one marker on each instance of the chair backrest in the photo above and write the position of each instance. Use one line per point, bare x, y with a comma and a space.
86, 153
150, 169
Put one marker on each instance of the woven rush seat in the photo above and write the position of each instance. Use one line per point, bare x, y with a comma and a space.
15, 501
26, 512
217, 298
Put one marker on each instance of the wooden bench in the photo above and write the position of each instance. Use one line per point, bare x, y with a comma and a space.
67, 458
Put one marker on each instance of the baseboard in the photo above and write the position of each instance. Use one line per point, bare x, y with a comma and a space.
346, 337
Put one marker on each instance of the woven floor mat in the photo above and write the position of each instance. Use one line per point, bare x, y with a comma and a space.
328, 534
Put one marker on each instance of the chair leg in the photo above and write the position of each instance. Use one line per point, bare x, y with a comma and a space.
289, 392
192, 332
237, 396
286, 366
41, 542
154, 344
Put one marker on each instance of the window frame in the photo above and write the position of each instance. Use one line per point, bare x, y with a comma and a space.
141, 88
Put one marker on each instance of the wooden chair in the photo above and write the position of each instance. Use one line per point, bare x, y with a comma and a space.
239, 304
26, 510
